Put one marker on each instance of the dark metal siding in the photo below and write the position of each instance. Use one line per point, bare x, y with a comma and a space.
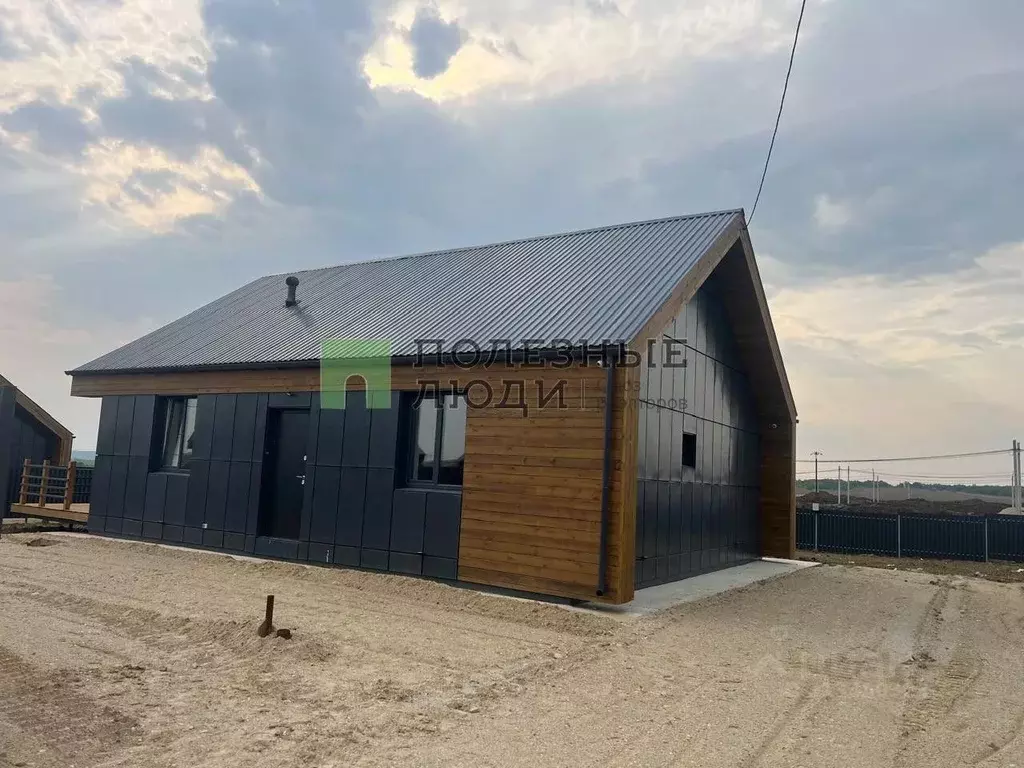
355, 511
691, 520
8, 464
23, 437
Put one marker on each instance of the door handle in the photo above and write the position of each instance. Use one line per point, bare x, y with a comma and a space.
302, 478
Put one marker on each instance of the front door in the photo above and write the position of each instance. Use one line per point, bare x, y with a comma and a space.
284, 473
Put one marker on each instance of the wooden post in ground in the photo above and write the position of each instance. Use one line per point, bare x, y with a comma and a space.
23, 493
43, 483
267, 626
69, 486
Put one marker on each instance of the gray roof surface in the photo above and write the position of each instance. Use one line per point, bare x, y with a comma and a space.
594, 284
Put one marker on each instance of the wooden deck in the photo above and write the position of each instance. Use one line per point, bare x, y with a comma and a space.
41, 485
79, 513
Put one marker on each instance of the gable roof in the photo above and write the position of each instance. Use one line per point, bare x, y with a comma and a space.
596, 284
36, 410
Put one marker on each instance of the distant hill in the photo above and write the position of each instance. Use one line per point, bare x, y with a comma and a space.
86, 458
931, 491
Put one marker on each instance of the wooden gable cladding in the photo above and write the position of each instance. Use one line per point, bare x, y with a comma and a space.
531, 499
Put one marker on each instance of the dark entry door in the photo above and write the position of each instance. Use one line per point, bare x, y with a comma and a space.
284, 474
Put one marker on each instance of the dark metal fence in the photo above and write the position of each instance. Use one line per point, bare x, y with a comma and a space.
954, 537
82, 492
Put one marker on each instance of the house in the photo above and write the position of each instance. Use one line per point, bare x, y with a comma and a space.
575, 415
26, 432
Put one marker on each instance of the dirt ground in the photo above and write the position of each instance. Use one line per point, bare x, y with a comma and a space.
945, 503
126, 654
995, 570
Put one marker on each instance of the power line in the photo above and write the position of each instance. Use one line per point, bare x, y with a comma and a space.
913, 458
782, 104
809, 473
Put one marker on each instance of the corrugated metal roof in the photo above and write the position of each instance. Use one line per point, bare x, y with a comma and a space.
594, 284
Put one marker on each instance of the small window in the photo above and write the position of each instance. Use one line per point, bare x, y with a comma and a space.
179, 427
689, 450
438, 440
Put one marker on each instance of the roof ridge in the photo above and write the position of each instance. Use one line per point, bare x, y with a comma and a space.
515, 241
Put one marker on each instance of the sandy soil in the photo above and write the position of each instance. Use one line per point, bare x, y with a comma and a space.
995, 570
121, 654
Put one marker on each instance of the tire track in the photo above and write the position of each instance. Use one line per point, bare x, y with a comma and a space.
48, 710
801, 706
934, 687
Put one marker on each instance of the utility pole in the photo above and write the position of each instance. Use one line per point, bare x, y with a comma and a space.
816, 454
839, 484
1013, 476
1017, 455
847, 483
1016, 493
1020, 501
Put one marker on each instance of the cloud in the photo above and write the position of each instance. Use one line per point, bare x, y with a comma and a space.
34, 349
58, 130
603, 7
923, 358
832, 215
153, 190
434, 42
181, 149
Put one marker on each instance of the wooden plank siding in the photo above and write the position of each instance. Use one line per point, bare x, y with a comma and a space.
778, 491
531, 497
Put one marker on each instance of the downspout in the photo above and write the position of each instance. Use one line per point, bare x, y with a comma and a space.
610, 361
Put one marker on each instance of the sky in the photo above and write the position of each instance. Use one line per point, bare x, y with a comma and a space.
155, 155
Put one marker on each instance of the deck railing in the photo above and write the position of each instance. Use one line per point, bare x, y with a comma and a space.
47, 483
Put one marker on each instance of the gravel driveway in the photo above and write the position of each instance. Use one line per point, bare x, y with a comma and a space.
126, 654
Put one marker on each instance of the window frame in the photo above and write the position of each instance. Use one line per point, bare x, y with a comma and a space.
413, 423
160, 436
689, 437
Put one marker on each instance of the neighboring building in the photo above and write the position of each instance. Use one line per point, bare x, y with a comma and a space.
215, 430
26, 432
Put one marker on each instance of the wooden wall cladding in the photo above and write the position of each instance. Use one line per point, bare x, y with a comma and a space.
778, 490
531, 503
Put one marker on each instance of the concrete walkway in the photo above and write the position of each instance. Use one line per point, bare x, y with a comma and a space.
653, 599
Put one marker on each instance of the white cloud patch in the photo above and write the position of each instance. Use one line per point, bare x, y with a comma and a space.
150, 189
832, 215
66, 47
69, 59
534, 48
896, 366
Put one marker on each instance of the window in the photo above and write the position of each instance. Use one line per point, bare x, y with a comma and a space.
689, 450
179, 427
438, 440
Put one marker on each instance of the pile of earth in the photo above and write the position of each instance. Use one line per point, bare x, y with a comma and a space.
967, 507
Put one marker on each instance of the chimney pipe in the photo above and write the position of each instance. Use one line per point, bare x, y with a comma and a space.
292, 282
